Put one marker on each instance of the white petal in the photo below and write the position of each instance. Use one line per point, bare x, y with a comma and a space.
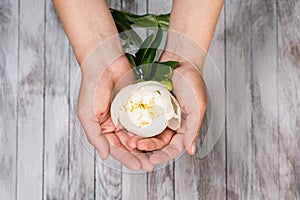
151, 103
117, 103
174, 123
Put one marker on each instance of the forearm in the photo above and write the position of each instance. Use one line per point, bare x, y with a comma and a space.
196, 18
87, 23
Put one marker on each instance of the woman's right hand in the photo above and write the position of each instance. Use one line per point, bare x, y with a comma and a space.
94, 114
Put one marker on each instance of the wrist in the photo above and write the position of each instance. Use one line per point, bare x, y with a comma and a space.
102, 54
182, 48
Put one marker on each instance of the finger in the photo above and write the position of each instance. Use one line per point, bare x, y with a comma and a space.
124, 138
144, 159
101, 145
190, 91
132, 142
120, 153
192, 149
192, 128
170, 151
107, 126
95, 136
90, 112
157, 142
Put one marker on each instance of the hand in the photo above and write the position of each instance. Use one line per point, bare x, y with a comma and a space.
190, 91
94, 114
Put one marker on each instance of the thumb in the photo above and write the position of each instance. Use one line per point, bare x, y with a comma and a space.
94, 135
192, 149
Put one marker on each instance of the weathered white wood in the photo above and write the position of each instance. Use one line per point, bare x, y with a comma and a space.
159, 7
262, 104
265, 184
197, 178
134, 185
8, 97
108, 180
289, 98
31, 100
81, 162
116, 4
161, 182
239, 99
56, 108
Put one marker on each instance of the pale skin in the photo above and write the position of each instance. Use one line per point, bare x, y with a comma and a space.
87, 23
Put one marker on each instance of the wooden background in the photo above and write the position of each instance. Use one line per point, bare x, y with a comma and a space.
257, 48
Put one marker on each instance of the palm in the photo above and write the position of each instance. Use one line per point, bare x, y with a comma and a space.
190, 91
94, 114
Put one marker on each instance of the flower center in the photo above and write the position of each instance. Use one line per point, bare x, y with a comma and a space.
140, 112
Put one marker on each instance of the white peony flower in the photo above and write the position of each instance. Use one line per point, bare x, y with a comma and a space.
145, 109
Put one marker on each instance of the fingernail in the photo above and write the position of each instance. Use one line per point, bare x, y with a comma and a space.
193, 148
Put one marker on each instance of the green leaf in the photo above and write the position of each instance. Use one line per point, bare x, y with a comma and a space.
138, 73
131, 59
127, 15
121, 22
123, 26
143, 48
145, 21
163, 20
170, 63
162, 73
143, 64
168, 84
150, 21
147, 52
146, 70
149, 57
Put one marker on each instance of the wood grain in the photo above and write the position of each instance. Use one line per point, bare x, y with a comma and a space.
8, 97
41, 155
116, 4
56, 108
81, 162
265, 180
239, 100
161, 182
289, 98
197, 178
134, 185
31, 100
159, 7
108, 177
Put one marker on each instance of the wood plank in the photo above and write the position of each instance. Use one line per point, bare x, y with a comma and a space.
108, 174
197, 178
56, 108
134, 185
239, 99
265, 184
8, 97
31, 100
108, 179
81, 161
159, 7
289, 97
161, 182
116, 4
